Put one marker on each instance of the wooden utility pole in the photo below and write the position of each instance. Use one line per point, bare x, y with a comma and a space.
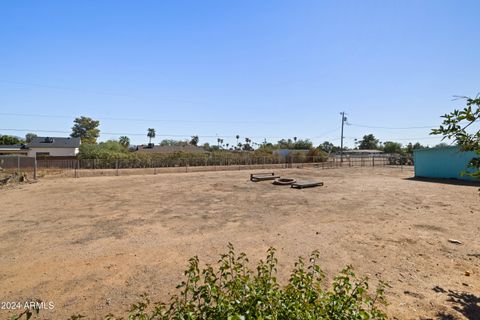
341, 137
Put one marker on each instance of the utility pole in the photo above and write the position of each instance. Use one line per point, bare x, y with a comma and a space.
341, 137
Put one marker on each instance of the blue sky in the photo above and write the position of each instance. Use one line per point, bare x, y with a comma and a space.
255, 68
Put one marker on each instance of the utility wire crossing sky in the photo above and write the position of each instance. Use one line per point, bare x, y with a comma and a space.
216, 69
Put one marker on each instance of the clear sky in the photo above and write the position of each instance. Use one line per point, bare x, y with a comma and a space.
255, 68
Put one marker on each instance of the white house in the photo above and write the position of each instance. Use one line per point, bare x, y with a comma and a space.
53, 147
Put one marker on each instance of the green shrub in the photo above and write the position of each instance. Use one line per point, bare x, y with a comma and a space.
234, 291
317, 155
297, 157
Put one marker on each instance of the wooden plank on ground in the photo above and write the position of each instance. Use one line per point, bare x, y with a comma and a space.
310, 184
255, 177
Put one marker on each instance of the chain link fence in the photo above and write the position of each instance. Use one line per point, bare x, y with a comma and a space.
77, 168
116, 167
18, 164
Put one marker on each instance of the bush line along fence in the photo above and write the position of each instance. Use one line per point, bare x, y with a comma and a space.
111, 167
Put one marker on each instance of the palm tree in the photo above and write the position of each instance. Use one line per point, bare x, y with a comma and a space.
295, 139
238, 137
150, 135
124, 141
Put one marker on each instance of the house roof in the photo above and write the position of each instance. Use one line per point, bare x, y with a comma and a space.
172, 149
12, 147
54, 142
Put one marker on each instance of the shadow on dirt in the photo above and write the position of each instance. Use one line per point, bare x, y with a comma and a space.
465, 303
446, 181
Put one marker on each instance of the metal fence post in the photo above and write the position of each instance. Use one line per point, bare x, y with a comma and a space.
35, 169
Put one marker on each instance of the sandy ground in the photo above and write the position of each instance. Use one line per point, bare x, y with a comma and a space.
92, 245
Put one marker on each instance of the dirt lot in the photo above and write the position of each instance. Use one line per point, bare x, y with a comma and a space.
91, 245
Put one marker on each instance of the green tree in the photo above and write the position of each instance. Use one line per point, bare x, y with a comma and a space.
392, 147
316, 155
442, 145
172, 142
456, 126
150, 135
206, 146
247, 145
29, 137
6, 140
107, 150
266, 147
302, 144
124, 141
328, 147
194, 141
410, 147
86, 129
369, 142
285, 144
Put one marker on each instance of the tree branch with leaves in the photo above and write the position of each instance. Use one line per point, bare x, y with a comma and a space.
455, 126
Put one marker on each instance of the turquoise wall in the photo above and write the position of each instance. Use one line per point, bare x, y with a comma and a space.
446, 163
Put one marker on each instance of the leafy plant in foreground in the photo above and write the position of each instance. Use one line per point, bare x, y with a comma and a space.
233, 291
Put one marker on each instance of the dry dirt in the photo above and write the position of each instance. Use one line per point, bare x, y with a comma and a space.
92, 245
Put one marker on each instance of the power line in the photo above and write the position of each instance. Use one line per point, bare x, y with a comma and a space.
132, 119
402, 139
419, 138
391, 128
113, 133
326, 133
97, 92
144, 134
200, 136
64, 88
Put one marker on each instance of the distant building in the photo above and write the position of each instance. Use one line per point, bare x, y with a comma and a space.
53, 147
14, 149
171, 149
445, 163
